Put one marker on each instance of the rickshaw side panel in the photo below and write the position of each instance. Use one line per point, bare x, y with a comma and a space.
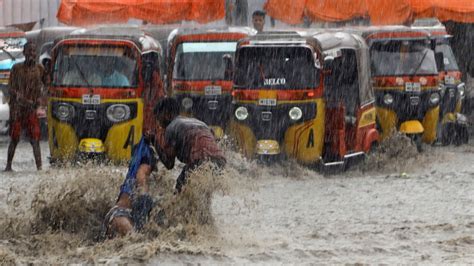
304, 141
244, 138
387, 120
122, 137
62, 137
430, 124
367, 133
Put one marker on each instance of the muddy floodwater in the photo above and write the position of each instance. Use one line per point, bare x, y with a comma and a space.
396, 207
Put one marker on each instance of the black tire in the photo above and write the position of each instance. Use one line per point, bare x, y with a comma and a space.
461, 135
417, 140
447, 134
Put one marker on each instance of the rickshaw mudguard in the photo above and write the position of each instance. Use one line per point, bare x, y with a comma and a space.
243, 137
430, 124
267, 147
411, 127
91, 145
449, 118
122, 137
304, 141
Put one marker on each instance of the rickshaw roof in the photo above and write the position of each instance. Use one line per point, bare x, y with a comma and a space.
8, 32
285, 37
144, 42
395, 32
337, 39
436, 32
319, 38
207, 31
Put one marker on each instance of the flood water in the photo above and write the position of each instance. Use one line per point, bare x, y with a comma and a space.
397, 207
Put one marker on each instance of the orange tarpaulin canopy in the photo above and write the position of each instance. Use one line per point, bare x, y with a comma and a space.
380, 12
444, 10
90, 12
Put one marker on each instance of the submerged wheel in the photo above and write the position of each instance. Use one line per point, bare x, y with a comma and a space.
461, 135
447, 134
417, 140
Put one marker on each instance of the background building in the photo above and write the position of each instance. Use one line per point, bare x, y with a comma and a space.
24, 11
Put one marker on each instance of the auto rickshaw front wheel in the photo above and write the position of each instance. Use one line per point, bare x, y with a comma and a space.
457, 134
417, 140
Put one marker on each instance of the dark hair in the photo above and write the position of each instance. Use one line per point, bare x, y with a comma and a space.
28, 44
167, 105
258, 13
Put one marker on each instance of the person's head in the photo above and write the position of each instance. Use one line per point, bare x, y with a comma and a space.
258, 20
29, 51
166, 110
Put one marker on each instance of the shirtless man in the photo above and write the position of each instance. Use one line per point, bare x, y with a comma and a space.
188, 139
26, 83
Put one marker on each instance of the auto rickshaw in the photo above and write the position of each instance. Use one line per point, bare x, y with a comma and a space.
197, 76
303, 96
454, 125
12, 41
105, 83
406, 81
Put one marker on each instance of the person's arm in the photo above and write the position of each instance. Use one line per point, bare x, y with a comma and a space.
165, 151
12, 85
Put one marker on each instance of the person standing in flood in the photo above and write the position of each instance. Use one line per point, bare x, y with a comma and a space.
26, 84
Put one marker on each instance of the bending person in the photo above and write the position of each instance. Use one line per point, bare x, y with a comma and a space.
188, 139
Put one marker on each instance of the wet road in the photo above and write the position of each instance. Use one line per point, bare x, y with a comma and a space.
416, 209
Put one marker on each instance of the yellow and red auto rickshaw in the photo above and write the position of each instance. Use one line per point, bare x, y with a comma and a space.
105, 82
12, 41
303, 96
454, 125
406, 81
199, 72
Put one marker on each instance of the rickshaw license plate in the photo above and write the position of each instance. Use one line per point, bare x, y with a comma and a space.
449, 80
91, 99
213, 90
267, 102
413, 86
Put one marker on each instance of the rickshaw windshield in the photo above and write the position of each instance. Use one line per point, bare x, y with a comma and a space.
276, 68
398, 58
96, 66
11, 49
202, 60
449, 60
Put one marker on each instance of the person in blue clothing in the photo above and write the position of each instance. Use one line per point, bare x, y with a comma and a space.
189, 140
112, 75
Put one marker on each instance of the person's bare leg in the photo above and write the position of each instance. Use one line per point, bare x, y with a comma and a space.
37, 153
11, 153
123, 225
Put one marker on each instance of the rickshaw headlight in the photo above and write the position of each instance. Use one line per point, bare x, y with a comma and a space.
462, 90
64, 111
434, 98
241, 113
118, 112
187, 103
388, 99
295, 113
